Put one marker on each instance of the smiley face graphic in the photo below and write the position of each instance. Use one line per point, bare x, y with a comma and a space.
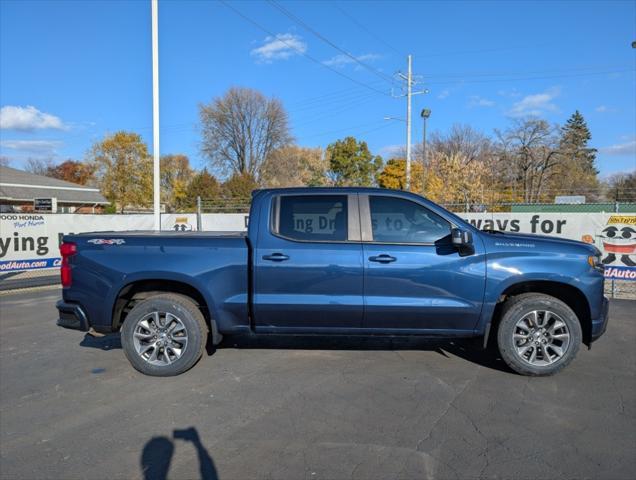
619, 241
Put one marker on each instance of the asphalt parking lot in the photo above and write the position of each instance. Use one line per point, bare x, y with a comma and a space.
72, 407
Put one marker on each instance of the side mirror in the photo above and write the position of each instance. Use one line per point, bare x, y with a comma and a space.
461, 238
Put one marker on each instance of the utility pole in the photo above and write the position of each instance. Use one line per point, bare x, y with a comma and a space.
409, 84
408, 78
155, 115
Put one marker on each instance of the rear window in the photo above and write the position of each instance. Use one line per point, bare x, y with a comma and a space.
320, 218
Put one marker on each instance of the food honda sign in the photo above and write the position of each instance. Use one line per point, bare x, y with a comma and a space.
31, 241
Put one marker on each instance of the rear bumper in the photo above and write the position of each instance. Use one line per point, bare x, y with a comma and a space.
72, 315
599, 325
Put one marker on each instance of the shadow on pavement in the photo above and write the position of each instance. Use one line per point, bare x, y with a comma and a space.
105, 342
467, 349
158, 452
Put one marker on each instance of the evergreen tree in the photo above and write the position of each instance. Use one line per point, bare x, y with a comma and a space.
578, 173
204, 185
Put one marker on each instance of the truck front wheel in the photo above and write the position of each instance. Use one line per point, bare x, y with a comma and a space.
538, 334
164, 335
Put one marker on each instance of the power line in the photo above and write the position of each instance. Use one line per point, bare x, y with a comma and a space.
348, 130
361, 26
486, 50
514, 79
501, 74
299, 51
339, 109
300, 22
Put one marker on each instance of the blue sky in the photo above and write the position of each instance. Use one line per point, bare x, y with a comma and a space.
70, 72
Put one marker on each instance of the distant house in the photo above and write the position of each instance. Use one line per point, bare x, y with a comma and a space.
21, 191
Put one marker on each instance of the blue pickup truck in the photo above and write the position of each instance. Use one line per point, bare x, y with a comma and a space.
335, 261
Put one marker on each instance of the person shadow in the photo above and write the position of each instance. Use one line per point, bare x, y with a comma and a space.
158, 452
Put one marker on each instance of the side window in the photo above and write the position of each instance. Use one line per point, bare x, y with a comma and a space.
313, 217
396, 220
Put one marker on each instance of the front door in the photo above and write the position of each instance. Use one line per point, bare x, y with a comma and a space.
308, 266
414, 278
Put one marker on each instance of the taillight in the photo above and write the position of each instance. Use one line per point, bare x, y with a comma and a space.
67, 250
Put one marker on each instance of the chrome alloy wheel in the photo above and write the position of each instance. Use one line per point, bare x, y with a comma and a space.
160, 338
541, 338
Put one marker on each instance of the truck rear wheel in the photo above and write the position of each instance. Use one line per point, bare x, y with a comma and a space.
164, 335
538, 334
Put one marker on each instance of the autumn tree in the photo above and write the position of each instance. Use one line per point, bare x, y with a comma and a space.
393, 175
204, 185
72, 171
175, 178
123, 169
351, 163
293, 166
447, 180
241, 129
576, 173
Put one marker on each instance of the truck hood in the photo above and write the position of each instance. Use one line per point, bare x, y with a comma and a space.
543, 241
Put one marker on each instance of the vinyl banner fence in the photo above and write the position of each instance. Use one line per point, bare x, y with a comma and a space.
31, 241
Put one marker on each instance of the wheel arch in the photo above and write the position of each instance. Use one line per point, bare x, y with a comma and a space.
141, 289
568, 294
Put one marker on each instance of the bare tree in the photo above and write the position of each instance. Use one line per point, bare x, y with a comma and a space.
241, 128
39, 166
530, 149
461, 141
4, 161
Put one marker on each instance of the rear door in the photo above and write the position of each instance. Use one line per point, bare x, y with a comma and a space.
308, 264
414, 278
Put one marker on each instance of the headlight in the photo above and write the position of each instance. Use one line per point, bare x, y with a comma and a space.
596, 263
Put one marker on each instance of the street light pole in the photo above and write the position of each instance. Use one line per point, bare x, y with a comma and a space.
155, 116
426, 112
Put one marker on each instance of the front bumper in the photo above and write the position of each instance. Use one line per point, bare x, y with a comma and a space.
71, 315
599, 325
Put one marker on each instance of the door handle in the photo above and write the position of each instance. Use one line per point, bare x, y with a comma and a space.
384, 258
276, 257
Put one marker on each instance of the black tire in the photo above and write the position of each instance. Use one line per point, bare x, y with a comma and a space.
190, 316
518, 307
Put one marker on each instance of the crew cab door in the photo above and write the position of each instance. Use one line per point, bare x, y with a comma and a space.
308, 264
414, 278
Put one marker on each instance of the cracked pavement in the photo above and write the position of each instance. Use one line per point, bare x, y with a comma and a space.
311, 408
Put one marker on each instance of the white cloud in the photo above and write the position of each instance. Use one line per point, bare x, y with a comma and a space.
510, 93
626, 148
32, 146
443, 94
536, 104
280, 47
342, 60
393, 150
604, 109
27, 119
477, 101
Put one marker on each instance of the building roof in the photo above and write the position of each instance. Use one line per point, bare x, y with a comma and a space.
17, 185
